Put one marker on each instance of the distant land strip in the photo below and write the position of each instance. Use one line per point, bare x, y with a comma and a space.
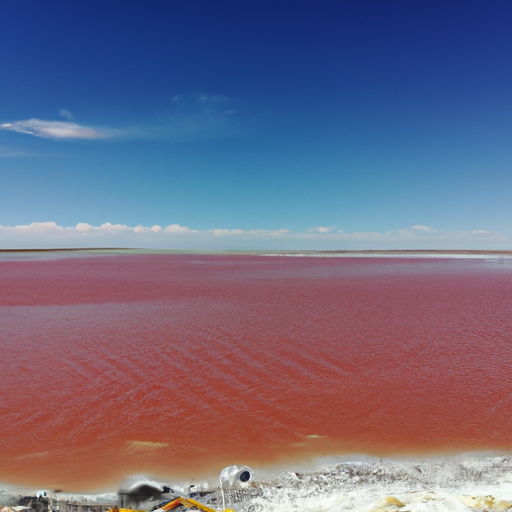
286, 252
70, 249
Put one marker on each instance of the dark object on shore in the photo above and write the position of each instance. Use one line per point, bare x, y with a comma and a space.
39, 503
141, 492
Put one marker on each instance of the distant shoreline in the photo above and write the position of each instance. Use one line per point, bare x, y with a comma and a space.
286, 252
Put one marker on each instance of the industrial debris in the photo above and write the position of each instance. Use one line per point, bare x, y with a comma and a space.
137, 494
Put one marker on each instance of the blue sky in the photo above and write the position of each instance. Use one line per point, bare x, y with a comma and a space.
244, 125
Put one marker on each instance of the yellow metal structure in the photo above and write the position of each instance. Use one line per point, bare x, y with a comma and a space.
190, 503
183, 502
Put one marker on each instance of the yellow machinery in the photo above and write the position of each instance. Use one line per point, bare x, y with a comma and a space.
178, 502
190, 503
144, 489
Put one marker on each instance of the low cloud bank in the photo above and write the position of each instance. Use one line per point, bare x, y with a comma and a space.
176, 236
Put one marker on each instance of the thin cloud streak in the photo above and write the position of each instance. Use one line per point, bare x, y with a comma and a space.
60, 130
176, 236
12, 153
321, 229
182, 127
191, 117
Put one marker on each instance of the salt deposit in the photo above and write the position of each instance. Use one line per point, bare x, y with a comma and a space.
451, 485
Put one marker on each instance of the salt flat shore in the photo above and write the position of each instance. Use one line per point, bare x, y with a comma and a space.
431, 485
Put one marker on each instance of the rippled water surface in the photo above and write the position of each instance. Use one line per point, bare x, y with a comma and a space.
183, 364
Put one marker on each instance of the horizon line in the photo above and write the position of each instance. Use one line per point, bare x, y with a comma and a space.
272, 251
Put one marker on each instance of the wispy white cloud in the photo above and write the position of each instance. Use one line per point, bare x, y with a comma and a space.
250, 232
321, 229
212, 98
6, 152
66, 114
176, 236
417, 236
57, 130
198, 116
180, 127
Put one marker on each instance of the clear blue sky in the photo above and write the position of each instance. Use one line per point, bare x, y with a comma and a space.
331, 124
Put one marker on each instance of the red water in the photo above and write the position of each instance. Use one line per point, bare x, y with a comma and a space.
180, 365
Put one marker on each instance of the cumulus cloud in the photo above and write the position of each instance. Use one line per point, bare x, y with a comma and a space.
83, 227
419, 227
56, 130
176, 228
34, 227
176, 236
